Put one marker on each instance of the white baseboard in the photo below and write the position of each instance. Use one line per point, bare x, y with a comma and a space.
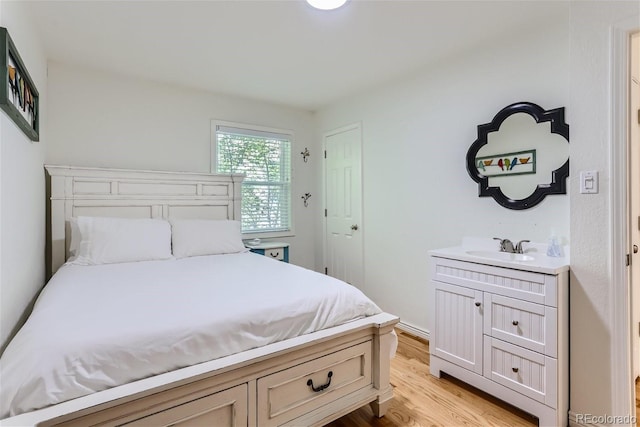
420, 333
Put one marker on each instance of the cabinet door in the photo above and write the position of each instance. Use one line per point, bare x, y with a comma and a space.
458, 326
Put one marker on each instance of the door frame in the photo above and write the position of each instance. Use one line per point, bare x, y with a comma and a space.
634, 215
325, 135
622, 390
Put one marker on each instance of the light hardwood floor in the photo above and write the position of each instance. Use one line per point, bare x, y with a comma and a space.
423, 400
637, 400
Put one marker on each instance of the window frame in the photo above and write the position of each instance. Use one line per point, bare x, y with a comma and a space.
257, 128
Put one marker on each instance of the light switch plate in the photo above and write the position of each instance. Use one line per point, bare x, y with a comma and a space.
589, 182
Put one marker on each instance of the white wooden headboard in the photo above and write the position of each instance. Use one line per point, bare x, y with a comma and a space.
76, 191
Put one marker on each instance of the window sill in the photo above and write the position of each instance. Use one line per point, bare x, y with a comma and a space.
268, 235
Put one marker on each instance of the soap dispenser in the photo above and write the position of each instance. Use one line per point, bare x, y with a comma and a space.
553, 248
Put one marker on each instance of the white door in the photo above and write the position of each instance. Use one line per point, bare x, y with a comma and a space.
634, 191
343, 193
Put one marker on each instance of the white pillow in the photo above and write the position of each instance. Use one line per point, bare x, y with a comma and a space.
193, 237
112, 240
75, 237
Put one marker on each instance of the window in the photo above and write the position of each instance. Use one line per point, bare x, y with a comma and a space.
264, 156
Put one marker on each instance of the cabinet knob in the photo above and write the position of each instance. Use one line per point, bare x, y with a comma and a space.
514, 323
514, 369
478, 304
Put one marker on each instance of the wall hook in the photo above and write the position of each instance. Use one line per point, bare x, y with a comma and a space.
305, 198
305, 154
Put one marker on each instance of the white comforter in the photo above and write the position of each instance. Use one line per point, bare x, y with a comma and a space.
96, 327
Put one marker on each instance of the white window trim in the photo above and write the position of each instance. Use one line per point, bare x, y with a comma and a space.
213, 143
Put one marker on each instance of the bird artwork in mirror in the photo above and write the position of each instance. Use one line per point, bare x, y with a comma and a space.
521, 156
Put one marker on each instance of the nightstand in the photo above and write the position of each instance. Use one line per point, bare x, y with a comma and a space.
275, 250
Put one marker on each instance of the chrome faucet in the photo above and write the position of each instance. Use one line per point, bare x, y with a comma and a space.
519, 246
506, 245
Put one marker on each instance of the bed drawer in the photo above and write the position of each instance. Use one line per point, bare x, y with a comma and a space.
527, 372
287, 394
225, 408
526, 324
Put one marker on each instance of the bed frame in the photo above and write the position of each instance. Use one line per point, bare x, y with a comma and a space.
307, 380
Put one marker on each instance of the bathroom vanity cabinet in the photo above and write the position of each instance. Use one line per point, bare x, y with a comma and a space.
503, 327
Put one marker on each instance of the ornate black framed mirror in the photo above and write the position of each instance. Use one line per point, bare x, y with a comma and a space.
521, 156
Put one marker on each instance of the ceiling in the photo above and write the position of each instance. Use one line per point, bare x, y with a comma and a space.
283, 52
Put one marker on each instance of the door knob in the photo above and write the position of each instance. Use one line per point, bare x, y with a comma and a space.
635, 249
354, 227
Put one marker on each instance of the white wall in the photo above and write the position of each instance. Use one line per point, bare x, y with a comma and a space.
592, 284
417, 192
105, 120
22, 186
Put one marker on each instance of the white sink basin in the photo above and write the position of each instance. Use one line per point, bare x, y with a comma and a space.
501, 256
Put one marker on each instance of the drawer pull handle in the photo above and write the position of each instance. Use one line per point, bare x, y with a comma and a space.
514, 323
323, 386
514, 369
478, 304
276, 255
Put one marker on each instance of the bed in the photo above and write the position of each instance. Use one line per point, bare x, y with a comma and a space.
294, 370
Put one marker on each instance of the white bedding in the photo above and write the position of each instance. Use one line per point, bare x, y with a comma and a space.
96, 327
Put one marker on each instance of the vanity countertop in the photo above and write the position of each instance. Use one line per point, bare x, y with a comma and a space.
485, 252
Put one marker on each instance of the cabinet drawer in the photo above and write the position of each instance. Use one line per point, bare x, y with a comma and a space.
526, 324
225, 408
275, 253
288, 394
529, 373
535, 287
